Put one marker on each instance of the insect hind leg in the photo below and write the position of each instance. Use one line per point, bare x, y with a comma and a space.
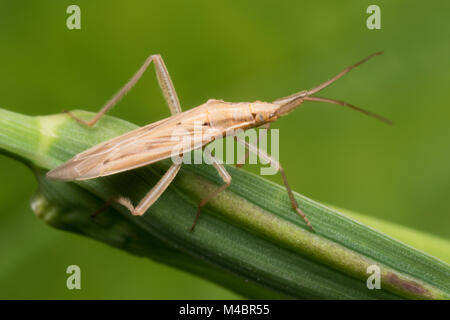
107, 204
149, 198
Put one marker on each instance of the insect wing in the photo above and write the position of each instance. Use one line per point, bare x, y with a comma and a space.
137, 148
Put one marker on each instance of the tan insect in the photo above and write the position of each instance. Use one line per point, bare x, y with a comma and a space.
154, 142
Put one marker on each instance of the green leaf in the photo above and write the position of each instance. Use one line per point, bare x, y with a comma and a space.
248, 238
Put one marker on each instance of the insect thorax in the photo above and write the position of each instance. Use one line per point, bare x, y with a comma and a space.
242, 115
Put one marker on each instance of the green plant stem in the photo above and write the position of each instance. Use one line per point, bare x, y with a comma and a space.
248, 238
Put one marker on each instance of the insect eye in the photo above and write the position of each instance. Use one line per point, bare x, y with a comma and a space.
259, 117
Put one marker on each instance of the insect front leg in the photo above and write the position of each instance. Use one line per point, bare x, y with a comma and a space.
240, 163
226, 177
152, 195
280, 169
165, 83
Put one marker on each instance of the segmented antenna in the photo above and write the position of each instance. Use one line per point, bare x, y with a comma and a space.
293, 101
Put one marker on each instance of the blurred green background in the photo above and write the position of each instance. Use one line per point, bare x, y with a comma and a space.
237, 51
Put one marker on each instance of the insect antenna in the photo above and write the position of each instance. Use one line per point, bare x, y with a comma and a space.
291, 102
342, 73
351, 106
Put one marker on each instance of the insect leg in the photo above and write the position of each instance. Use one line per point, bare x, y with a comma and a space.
164, 81
166, 85
241, 162
226, 178
152, 195
279, 168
